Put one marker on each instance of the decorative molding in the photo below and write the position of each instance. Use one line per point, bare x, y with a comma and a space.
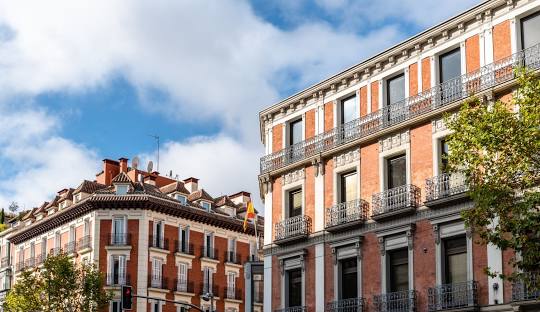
346, 158
294, 176
382, 247
437, 234
410, 237
334, 255
319, 165
394, 141
438, 125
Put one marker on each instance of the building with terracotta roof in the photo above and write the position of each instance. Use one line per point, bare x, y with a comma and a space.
360, 212
166, 238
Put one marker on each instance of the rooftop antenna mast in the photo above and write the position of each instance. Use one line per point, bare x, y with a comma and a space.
156, 137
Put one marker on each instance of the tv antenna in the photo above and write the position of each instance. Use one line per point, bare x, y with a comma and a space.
135, 162
156, 137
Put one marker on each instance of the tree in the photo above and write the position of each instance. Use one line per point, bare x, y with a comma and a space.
497, 148
2, 216
13, 207
59, 286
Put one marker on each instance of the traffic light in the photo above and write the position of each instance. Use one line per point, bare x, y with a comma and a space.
126, 297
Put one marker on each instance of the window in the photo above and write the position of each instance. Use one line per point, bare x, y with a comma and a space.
253, 251
32, 250
156, 306
184, 239
397, 171
399, 270
71, 233
43, 246
121, 189
530, 30
119, 226
295, 132
158, 233
205, 205
181, 198
182, 277
209, 245
395, 89
157, 270
443, 152
231, 248
208, 280
295, 203
293, 292
116, 306
348, 186
349, 271
349, 109
57, 240
231, 284
455, 260
450, 65
117, 270
86, 227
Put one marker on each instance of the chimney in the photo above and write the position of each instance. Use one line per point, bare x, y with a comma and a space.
241, 197
191, 184
150, 179
123, 164
110, 170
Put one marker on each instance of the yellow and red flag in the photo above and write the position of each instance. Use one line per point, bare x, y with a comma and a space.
250, 214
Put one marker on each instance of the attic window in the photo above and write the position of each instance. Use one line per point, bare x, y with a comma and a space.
181, 198
78, 197
121, 189
205, 205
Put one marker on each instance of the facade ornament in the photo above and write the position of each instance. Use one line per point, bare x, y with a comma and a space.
445, 34
344, 81
436, 234
333, 87
430, 42
346, 158
334, 255
321, 93
319, 165
405, 53
282, 267
303, 262
417, 47
382, 247
394, 141
391, 60
479, 16
358, 247
293, 176
438, 125
461, 27
367, 72
410, 238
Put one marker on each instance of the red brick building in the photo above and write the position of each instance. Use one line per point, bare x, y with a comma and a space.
166, 238
360, 212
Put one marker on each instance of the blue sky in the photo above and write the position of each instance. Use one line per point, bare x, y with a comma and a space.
82, 82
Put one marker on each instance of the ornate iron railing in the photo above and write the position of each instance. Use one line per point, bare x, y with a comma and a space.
159, 242
183, 247
445, 185
160, 282
395, 199
69, 247
207, 252
183, 286
84, 242
354, 210
205, 289
4, 263
40, 259
19, 266
528, 288
400, 301
346, 305
55, 251
115, 279
30, 262
120, 239
233, 293
453, 296
232, 257
293, 309
291, 227
443, 94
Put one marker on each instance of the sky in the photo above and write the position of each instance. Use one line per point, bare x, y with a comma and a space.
81, 81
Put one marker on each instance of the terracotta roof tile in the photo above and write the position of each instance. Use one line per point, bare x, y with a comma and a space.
224, 201
89, 187
200, 194
174, 187
122, 177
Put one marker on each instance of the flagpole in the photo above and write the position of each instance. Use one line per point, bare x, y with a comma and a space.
256, 236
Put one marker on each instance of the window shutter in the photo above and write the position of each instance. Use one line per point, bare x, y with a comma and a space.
122, 269
206, 281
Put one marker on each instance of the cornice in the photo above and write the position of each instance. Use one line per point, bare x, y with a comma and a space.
396, 54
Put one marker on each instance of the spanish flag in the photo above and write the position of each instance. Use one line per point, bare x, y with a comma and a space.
250, 214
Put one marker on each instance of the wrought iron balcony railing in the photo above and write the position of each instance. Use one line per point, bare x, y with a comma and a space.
400, 301
346, 305
453, 296
528, 288
233, 293
69, 247
346, 214
120, 239
183, 247
160, 282
183, 286
210, 253
232, 257
292, 228
84, 243
19, 266
30, 262
293, 309
55, 251
205, 289
445, 186
115, 279
159, 242
40, 259
394, 201
441, 95
4, 263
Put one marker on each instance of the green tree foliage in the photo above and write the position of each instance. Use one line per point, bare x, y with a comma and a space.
497, 147
59, 286
13, 207
2, 216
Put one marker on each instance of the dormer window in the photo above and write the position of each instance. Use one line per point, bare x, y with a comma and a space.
206, 205
121, 189
78, 197
181, 198
62, 205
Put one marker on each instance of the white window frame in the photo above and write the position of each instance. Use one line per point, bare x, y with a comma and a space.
383, 165
231, 284
182, 275
212, 243
157, 272
181, 198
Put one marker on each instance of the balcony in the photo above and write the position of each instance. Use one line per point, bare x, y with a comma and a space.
40, 259
19, 266
84, 242
119, 239
116, 280
30, 263
233, 293
210, 253
232, 257
347, 305
431, 101
69, 248
183, 247
453, 297
400, 200
159, 242
401, 301
527, 289
346, 215
292, 229
159, 282
4, 263
445, 188
183, 286
293, 309
55, 251
214, 290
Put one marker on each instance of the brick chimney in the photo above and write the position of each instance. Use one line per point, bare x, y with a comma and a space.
191, 184
111, 168
123, 164
241, 197
150, 178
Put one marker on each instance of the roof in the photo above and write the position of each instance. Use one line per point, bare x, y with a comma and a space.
224, 201
89, 187
200, 194
41, 208
68, 194
122, 177
174, 187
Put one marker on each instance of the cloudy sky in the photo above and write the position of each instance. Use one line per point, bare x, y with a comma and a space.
85, 80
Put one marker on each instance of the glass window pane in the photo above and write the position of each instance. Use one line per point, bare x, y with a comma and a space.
295, 203
295, 134
294, 288
530, 30
349, 278
444, 155
399, 270
396, 89
348, 187
455, 250
349, 110
397, 171
450, 65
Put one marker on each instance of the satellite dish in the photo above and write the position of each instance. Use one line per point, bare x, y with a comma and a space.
150, 166
135, 162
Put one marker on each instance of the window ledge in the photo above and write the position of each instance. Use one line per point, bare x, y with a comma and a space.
184, 255
115, 247
159, 250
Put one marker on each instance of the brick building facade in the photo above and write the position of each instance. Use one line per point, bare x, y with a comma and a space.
360, 212
166, 238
